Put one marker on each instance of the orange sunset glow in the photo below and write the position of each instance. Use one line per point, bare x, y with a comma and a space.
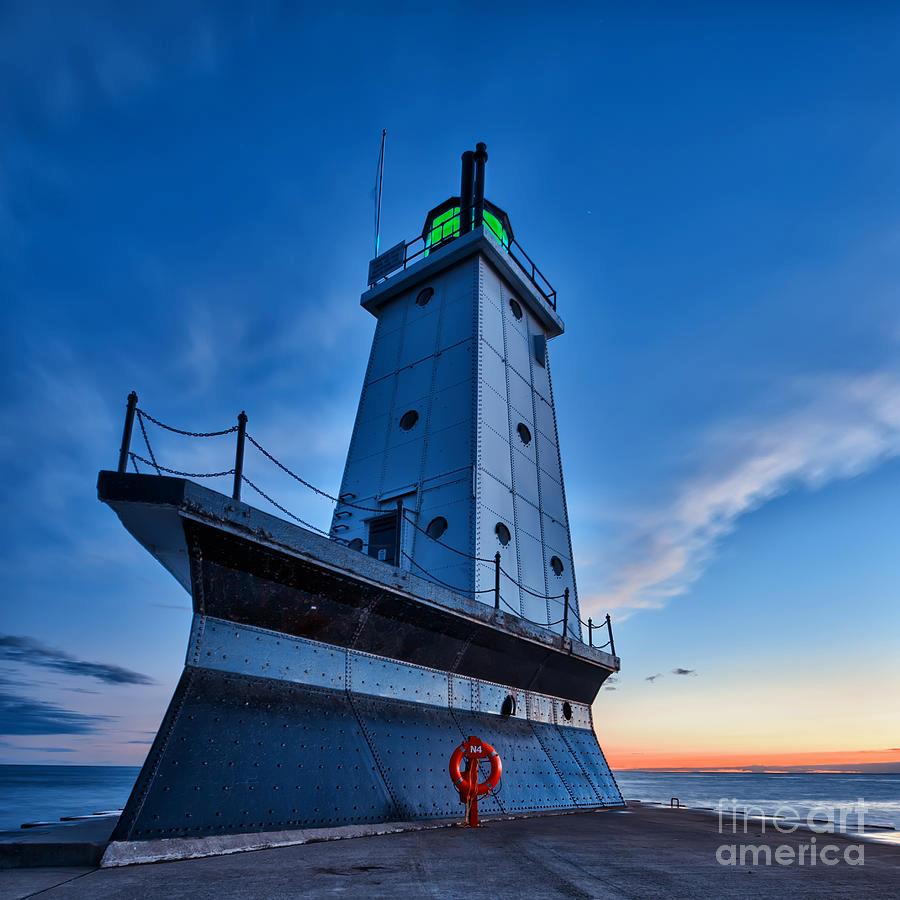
819, 761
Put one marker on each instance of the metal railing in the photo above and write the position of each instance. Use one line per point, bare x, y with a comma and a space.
423, 244
126, 455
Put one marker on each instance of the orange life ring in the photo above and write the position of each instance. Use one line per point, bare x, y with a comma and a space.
473, 749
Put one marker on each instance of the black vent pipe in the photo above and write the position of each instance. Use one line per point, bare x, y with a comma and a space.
481, 158
466, 191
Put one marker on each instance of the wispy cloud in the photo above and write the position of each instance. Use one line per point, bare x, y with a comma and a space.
48, 749
836, 427
24, 715
15, 648
10, 745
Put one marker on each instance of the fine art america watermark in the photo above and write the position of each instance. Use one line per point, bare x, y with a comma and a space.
811, 851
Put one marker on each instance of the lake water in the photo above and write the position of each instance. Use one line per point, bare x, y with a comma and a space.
44, 793
768, 792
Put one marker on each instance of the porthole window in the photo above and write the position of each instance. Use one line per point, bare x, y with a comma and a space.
567, 710
509, 706
503, 534
356, 544
516, 308
524, 433
556, 565
409, 419
424, 296
436, 527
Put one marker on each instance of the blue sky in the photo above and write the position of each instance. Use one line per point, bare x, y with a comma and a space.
185, 210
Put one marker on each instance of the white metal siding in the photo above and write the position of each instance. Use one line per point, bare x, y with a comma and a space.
466, 365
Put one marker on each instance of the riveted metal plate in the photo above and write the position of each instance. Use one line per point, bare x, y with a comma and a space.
242, 754
382, 677
490, 697
584, 747
463, 693
567, 765
581, 714
245, 650
414, 744
238, 754
540, 708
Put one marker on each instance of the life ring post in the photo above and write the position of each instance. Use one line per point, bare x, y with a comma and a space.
465, 780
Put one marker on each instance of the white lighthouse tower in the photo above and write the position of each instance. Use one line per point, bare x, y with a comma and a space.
455, 452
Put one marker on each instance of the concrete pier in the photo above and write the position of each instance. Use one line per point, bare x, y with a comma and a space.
640, 852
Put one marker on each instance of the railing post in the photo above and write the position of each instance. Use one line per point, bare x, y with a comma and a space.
612, 643
399, 535
126, 431
590, 632
239, 455
565, 623
497, 580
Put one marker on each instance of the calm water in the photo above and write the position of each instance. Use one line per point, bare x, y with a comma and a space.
881, 793
44, 793
41, 793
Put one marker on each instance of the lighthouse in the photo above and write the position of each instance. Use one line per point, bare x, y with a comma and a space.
329, 676
455, 451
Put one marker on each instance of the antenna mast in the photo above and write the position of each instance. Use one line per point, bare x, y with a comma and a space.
379, 190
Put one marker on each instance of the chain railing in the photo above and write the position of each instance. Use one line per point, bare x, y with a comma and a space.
126, 454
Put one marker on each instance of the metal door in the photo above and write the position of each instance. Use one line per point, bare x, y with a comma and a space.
383, 539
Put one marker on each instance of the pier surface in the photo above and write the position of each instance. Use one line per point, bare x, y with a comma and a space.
642, 852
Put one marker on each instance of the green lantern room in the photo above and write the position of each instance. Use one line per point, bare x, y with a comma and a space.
444, 223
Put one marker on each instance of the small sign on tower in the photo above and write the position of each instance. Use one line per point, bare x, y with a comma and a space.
387, 262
